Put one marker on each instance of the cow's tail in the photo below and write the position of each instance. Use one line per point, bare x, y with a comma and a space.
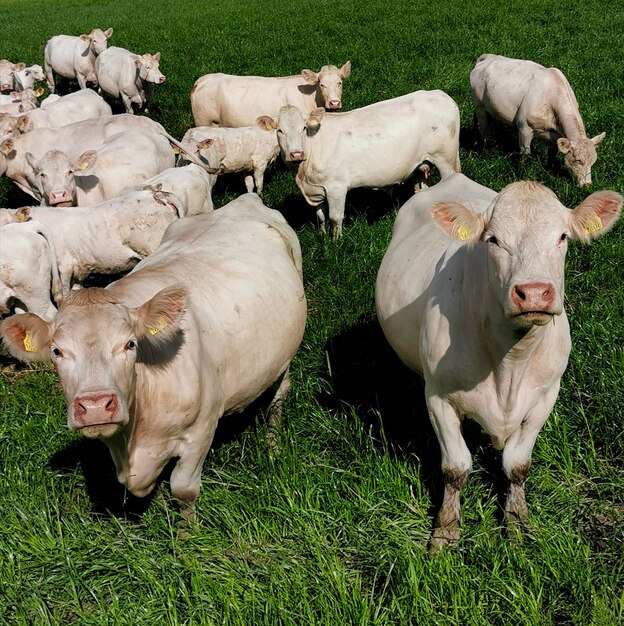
457, 164
292, 243
56, 286
182, 148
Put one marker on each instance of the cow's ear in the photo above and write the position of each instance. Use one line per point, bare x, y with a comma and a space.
266, 123
108, 32
313, 123
6, 147
22, 214
16, 95
598, 138
27, 337
23, 123
38, 92
458, 221
156, 56
159, 318
86, 161
596, 215
309, 76
85, 37
204, 144
564, 145
19, 67
345, 70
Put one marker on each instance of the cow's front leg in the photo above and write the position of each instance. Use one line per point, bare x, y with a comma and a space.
456, 466
336, 199
517, 458
186, 479
82, 80
320, 217
249, 183
525, 136
127, 102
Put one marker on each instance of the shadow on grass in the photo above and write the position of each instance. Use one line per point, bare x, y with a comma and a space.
389, 398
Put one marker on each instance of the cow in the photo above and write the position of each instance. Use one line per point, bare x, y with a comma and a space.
74, 57
131, 77
540, 103
128, 158
248, 149
7, 75
470, 295
17, 102
191, 184
27, 77
29, 276
73, 139
228, 100
375, 146
195, 332
74, 107
109, 238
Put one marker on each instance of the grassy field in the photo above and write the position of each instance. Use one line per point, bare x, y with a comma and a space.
334, 530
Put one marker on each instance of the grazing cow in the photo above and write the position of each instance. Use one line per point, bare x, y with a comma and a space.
7, 75
109, 238
74, 57
27, 77
191, 184
375, 146
73, 139
29, 276
226, 100
249, 149
131, 77
74, 107
470, 295
125, 159
540, 103
197, 331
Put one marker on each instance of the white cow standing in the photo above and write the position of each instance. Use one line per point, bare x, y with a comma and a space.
470, 295
74, 57
196, 332
131, 77
540, 103
29, 275
376, 146
233, 101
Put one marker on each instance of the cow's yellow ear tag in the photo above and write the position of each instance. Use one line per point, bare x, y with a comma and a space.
175, 149
22, 216
593, 224
29, 344
313, 122
161, 324
463, 232
83, 165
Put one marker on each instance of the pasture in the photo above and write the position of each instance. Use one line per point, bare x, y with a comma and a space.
334, 530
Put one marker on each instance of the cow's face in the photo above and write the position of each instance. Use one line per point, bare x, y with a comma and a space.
579, 156
94, 343
293, 131
98, 40
329, 84
149, 71
54, 178
526, 231
7, 75
8, 126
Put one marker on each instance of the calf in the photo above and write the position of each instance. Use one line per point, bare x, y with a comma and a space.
74, 57
131, 77
27, 77
226, 100
375, 146
470, 295
540, 103
197, 331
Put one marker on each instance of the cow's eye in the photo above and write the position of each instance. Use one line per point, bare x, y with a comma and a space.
280, 131
56, 352
130, 345
43, 175
563, 237
491, 239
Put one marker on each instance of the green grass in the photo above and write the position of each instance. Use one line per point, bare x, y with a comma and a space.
334, 531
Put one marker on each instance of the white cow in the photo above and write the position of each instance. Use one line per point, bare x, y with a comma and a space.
74, 107
17, 102
540, 103
191, 184
73, 139
131, 77
29, 276
7, 75
248, 149
27, 77
227, 100
74, 57
109, 238
470, 295
375, 146
128, 158
197, 331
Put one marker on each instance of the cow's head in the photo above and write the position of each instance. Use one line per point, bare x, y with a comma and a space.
7, 75
526, 230
579, 156
148, 68
95, 342
328, 84
26, 78
97, 40
293, 130
55, 176
8, 126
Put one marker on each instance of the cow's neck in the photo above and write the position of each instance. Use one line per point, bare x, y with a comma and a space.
568, 116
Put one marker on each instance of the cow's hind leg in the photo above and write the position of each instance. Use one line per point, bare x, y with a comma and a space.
275, 411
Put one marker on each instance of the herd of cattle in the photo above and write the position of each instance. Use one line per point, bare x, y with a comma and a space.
469, 293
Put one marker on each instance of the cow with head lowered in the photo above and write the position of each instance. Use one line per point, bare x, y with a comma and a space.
470, 295
198, 330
